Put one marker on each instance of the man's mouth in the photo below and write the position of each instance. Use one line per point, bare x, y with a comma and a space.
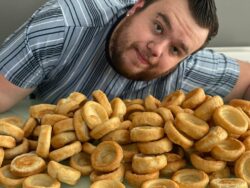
141, 58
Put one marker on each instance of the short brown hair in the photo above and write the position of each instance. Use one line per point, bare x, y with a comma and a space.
204, 13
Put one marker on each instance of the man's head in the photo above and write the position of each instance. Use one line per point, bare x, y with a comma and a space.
203, 12
157, 34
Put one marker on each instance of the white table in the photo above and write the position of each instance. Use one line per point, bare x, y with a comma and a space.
241, 53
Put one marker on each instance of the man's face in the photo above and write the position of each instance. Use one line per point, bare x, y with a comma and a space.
149, 43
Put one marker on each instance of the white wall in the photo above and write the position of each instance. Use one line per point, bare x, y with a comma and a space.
14, 12
234, 17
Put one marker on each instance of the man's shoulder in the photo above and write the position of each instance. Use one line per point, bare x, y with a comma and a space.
205, 52
208, 59
93, 13
208, 55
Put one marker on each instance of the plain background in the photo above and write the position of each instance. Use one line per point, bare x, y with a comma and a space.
233, 15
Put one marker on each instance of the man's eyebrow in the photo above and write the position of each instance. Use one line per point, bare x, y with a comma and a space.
184, 48
166, 20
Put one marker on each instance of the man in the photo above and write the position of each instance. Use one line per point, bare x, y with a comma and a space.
125, 48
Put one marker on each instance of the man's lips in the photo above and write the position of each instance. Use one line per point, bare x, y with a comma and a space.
141, 58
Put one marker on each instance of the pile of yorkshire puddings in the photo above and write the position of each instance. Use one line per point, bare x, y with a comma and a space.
186, 140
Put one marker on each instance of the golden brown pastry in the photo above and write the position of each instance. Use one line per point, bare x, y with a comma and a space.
121, 136
7, 179
231, 119
206, 109
119, 108
39, 110
146, 133
194, 178
7, 141
174, 163
32, 144
146, 164
223, 173
104, 128
67, 105
245, 115
88, 147
29, 126
107, 156
1, 156
129, 150
107, 183
160, 182
102, 99
41, 181
151, 103
191, 125
36, 131
228, 182
77, 97
242, 167
63, 173
27, 164
136, 180
44, 140
63, 126
215, 135
15, 120
23, 147
242, 103
129, 102
81, 162
147, 119
208, 165
194, 98
165, 113
9, 129
65, 151
155, 147
246, 142
51, 119
176, 136
228, 150
62, 139
117, 174
174, 98
80, 126
126, 124
133, 109
94, 114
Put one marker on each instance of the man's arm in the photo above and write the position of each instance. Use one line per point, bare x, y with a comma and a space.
10, 94
242, 88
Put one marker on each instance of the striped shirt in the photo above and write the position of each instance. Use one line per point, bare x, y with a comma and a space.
61, 49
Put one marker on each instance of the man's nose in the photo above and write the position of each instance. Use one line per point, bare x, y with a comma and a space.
157, 48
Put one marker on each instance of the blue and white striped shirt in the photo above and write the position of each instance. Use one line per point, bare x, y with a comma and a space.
61, 49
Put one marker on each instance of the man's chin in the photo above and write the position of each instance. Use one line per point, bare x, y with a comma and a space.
137, 76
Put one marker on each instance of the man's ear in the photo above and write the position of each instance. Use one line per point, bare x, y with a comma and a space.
138, 5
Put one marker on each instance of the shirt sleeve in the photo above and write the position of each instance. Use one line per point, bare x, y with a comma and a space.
216, 73
32, 51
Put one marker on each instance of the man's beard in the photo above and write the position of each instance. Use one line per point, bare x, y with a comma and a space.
120, 43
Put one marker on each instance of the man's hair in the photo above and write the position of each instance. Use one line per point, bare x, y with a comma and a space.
203, 12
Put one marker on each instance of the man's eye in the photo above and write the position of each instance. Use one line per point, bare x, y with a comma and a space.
158, 28
174, 51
